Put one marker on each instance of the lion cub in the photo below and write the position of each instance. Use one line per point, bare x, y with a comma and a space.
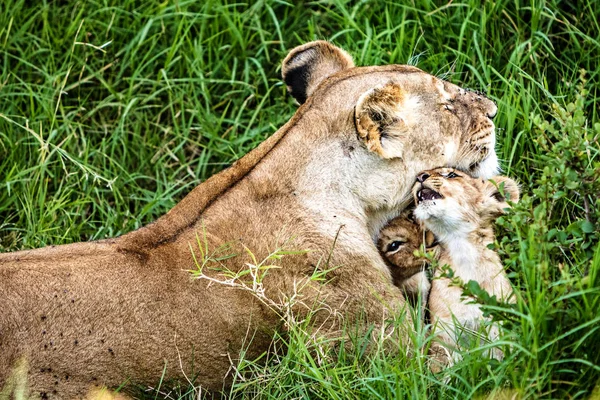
397, 243
460, 210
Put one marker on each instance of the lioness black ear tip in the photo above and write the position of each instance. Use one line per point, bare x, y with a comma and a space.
295, 72
307, 65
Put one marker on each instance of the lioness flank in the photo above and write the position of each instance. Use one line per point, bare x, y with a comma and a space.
128, 309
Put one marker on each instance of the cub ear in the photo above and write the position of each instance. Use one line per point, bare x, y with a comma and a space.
308, 65
380, 122
498, 191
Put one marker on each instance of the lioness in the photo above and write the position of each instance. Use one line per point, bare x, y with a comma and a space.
128, 309
460, 211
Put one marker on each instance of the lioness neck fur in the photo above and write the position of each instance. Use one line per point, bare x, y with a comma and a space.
128, 309
460, 211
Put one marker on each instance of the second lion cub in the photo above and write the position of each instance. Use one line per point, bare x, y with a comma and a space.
460, 210
397, 243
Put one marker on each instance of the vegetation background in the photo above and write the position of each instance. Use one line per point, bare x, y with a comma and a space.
111, 111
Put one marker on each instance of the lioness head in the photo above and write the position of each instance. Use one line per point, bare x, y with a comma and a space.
450, 202
396, 111
398, 242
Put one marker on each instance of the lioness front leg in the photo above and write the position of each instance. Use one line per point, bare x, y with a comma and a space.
350, 308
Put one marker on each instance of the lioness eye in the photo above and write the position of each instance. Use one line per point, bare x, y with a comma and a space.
452, 175
395, 245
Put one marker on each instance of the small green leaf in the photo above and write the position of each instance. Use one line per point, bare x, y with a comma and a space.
588, 227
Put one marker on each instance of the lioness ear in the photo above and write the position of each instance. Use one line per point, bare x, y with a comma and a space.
379, 120
308, 65
498, 191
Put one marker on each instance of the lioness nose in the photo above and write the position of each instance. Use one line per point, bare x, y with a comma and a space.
422, 177
492, 113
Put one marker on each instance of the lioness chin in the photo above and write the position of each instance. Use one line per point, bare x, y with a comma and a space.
127, 309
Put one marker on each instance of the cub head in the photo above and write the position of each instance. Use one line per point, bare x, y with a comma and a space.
397, 243
450, 202
397, 113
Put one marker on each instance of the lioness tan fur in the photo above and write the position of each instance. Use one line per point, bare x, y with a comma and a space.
460, 211
398, 241
127, 309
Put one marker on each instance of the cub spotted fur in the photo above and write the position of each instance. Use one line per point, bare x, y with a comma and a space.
127, 309
460, 211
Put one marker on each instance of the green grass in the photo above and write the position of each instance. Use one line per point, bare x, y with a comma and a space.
111, 111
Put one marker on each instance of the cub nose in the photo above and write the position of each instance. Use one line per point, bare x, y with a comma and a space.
422, 177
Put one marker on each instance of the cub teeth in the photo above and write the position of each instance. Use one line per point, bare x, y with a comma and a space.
428, 194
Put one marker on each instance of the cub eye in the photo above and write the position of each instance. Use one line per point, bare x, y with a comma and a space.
395, 245
452, 175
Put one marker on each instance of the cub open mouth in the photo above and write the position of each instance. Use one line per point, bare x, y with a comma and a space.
428, 194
